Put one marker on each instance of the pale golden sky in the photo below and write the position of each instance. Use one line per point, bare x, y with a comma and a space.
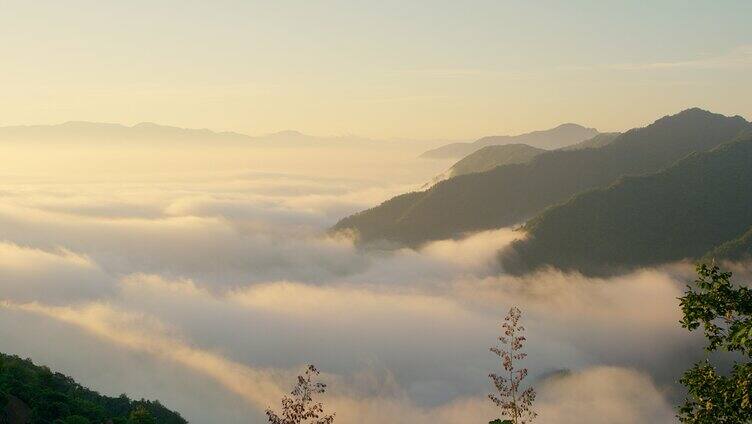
417, 69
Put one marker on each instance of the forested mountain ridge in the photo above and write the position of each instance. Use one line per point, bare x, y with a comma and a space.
511, 194
681, 212
33, 394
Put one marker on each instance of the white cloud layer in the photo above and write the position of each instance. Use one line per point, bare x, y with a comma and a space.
210, 292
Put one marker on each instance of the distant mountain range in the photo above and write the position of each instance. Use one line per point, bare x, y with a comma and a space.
34, 394
554, 138
150, 134
510, 194
81, 131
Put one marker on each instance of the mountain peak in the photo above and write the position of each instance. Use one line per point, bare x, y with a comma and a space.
695, 112
695, 116
288, 133
572, 125
696, 109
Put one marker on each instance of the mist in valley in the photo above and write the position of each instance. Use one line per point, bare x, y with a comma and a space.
210, 288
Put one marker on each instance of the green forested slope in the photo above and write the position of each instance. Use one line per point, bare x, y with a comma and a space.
511, 194
681, 212
28, 390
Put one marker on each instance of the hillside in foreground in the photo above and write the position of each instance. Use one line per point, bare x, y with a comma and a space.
33, 394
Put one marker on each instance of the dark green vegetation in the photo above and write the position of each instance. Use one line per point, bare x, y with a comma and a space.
34, 394
489, 157
681, 212
510, 194
554, 138
724, 311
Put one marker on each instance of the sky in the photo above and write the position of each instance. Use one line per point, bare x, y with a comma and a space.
386, 69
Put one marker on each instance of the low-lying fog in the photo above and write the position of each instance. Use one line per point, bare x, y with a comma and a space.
204, 279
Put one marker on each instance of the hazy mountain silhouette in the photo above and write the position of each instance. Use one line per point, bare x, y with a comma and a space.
151, 134
82, 131
681, 212
489, 157
511, 194
554, 138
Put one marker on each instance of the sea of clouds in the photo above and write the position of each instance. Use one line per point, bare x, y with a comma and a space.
211, 290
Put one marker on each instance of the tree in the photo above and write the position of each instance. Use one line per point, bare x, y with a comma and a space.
725, 313
141, 415
300, 408
515, 404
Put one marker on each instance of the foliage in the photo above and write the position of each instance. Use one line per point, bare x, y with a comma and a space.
512, 193
514, 402
141, 415
56, 398
724, 311
300, 407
